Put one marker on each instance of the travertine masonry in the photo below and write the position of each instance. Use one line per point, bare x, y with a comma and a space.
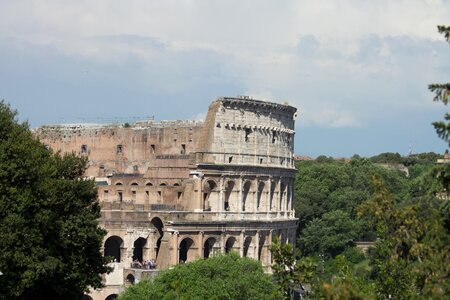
181, 190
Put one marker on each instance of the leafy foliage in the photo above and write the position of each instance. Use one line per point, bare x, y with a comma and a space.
287, 271
50, 239
335, 189
220, 277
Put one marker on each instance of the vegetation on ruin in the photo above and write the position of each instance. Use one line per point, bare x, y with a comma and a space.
50, 240
220, 277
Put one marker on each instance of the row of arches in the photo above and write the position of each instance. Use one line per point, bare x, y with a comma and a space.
114, 245
267, 195
188, 248
148, 184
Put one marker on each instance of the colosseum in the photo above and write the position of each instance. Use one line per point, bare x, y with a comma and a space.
174, 191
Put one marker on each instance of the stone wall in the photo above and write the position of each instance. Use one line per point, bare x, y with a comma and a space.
182, 190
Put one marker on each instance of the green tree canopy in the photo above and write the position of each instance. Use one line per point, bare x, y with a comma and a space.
50, 240
220, 277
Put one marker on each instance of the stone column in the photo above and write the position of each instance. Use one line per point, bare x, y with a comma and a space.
269, 254
279, 197
222, 242
239, 202
221, 196
175, 247
201, 246
256, 248
242, 240
269, 190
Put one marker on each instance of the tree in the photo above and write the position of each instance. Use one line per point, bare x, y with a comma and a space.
287, 271
330, 235
220, 277
442, 92
50, 239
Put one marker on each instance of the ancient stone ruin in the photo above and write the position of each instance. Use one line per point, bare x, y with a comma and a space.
174, 191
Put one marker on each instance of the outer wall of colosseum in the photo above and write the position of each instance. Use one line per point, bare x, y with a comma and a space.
176, 191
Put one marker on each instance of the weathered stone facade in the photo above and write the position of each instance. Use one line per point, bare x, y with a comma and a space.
181, 190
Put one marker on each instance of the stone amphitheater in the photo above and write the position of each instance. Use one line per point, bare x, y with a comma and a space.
175, 191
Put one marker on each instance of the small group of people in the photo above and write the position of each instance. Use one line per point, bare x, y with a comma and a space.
147, 264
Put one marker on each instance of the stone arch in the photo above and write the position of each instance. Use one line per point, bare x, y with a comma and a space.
113, 246
134, 183
273, 186
282, 190
130, 278
228, 190
148, 183
208, 247
245, 191
231, 241
119, 183
209, 194
261, 186
176, 184
262, 240
247, 242
163, 184
158, 225
111, 297
185, 250
138, 249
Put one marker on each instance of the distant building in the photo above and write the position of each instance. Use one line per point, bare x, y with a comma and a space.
175, 191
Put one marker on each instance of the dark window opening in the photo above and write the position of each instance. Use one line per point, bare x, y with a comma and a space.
260, 161
105, 195
230, 159
183, 148
247, 133
147, 194
84, 149
133, 195
135, 168
274, 136
153, 148
160, 195
179, 195
120, 196
119, 149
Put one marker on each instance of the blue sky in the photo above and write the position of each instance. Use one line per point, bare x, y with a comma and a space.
357, 70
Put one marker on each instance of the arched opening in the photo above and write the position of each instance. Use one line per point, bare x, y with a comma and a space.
138, 250
176, 184
163, 184
159, 226
185, 245
230, 244
260, 193
208, 247
134, 184
149, 184
130, 279
245, 192
282, 190
113, 247
86, 297
262, 240
111, 297
247, 242
119, 183
272, 192
228, 190
208, 188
